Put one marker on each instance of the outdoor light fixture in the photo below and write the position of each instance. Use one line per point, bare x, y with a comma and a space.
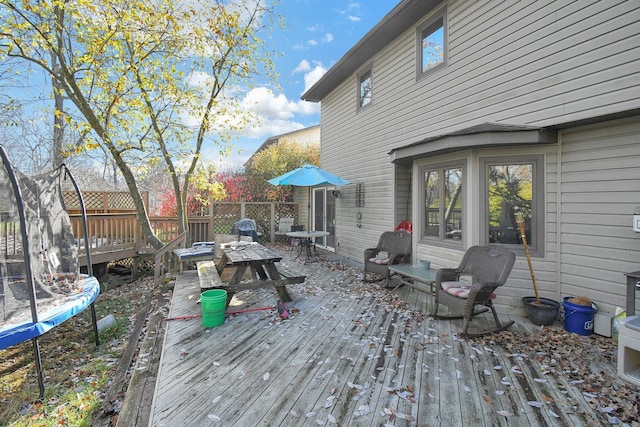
335, 193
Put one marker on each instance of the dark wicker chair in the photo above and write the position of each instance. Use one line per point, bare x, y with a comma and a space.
488, 267
397, 245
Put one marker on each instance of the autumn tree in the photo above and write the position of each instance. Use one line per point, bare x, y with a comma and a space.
276, 159
150, 82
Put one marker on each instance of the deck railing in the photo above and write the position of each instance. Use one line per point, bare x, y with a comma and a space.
115, 236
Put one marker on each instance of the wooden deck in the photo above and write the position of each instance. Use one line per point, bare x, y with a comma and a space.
351, 354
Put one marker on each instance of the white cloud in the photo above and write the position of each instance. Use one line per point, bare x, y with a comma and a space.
266, 104
313, 76
302, 67
275, 114
199, 78
354, 18
328, 38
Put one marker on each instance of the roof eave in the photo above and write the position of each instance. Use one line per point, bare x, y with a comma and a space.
485, 135
406, 14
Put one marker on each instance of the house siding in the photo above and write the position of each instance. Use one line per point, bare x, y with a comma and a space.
600, 190
536, 63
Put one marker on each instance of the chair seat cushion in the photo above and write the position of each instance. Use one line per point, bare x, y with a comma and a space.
381, 261
458, 289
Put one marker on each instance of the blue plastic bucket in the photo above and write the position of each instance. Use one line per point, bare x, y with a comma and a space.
578, 318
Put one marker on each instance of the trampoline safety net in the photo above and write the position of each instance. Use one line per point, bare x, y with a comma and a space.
50, 258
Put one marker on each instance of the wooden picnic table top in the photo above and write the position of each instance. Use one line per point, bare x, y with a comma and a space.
247, 253
261, 261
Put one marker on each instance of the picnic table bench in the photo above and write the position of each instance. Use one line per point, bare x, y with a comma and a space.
262, 263
197, 252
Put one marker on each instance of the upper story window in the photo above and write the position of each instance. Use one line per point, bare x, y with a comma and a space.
432, 44
364, 88
443, 203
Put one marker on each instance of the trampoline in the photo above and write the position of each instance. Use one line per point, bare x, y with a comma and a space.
40, 281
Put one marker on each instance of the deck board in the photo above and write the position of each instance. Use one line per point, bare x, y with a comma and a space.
346, 354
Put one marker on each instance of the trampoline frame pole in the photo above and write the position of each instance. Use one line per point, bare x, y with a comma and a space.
27, 261
85, 229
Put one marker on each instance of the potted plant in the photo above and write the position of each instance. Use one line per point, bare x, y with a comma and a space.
541, 311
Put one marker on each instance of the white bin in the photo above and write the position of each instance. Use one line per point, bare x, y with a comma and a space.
629, 349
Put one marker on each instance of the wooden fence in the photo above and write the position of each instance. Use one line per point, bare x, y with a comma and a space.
116, 236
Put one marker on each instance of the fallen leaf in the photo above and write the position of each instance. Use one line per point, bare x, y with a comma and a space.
487, 399
545, 397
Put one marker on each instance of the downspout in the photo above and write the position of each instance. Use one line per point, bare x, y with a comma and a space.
558, 215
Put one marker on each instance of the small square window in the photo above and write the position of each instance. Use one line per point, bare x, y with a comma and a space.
365, 88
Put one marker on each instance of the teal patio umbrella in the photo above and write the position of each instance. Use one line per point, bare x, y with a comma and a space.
308, 176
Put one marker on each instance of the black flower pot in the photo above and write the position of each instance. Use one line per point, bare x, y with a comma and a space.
543, 314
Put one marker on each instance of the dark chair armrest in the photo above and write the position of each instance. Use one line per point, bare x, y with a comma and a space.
485, 287
482, 291
447, 275
370, 253
396, 258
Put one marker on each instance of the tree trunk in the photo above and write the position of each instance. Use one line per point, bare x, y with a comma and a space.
138, 201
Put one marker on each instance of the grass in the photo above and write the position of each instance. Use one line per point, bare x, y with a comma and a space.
77, 373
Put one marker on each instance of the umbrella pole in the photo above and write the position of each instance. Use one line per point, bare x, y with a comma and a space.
309, 210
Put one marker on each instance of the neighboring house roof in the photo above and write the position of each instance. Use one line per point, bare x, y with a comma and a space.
296, 135
401, 18
482, 135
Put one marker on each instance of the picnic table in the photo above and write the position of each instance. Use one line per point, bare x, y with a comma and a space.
261, 262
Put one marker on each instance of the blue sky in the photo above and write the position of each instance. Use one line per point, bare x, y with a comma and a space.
317, 34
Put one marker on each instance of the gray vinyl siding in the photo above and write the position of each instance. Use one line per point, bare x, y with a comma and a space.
528, 62
600, 190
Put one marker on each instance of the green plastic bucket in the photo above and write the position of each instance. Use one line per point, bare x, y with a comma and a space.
214, 304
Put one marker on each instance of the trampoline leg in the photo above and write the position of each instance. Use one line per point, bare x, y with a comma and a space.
36, 355
94, 320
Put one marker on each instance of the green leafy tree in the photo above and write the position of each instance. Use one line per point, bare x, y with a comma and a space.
150, 82
276, 159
